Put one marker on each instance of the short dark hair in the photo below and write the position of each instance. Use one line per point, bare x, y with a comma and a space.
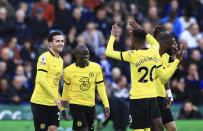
158, 30
166, 37
140, 35
79, 48
51, 35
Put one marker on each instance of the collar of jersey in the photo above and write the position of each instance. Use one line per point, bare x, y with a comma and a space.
52, 54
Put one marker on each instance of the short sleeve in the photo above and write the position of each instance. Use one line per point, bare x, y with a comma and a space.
126, 55
99, 77
42, 64
66, 76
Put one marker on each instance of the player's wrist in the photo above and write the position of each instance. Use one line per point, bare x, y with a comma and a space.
169, 94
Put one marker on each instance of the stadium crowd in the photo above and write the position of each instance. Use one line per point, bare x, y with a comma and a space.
25, 24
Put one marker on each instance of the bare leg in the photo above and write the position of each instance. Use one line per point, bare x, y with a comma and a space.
171, 126
157, 125
52, 128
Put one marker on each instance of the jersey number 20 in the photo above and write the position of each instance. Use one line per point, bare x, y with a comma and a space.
142, 79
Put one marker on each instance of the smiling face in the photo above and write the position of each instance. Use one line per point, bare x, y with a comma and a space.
58, 43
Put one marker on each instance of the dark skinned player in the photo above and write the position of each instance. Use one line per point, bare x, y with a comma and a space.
82, 78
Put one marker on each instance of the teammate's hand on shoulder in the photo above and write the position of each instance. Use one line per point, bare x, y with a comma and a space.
107, 112
114, 30
58, 102
65, 117
64, 103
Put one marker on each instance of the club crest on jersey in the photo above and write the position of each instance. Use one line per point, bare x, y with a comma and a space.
79, 123
91, 74
42, 126
43, 59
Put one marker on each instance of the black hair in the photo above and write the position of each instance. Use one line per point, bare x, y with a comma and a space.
158, 30
51, 35
166, 37
79, 48
140, 35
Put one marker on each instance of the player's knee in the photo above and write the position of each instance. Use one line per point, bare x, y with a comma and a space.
52, 128
171, 128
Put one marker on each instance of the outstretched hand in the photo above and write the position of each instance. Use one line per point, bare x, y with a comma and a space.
114, 30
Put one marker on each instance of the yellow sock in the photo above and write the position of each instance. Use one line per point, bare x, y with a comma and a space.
139, 130
147, 129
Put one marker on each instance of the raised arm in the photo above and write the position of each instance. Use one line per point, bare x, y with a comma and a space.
110, 52
166, 74
150, 39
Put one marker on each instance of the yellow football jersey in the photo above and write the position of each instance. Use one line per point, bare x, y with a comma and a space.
53, 66
80, 84
160, 88
143, 64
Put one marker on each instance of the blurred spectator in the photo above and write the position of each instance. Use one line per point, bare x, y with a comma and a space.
39, 26
177, 27
196, 58
81, 41
105, 64
101, 21
192, 82
119, 88
174, 6
71, 37
200, 47
7, 94
22, 29
116, 73
117, 7
147, 26
119, 110
118, 18
91, 4
86, 14
67, 58
28, 52
29, 74
199, 14
62, 17
134, 11
6, 4
3, 68
44, 46
169, 27
191, 36
78, 21
5, 56
22, 93
188, 111
93, 37
6, 24
187, 19
180, 91
25, 7
48, 9
11, 43
153, 17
